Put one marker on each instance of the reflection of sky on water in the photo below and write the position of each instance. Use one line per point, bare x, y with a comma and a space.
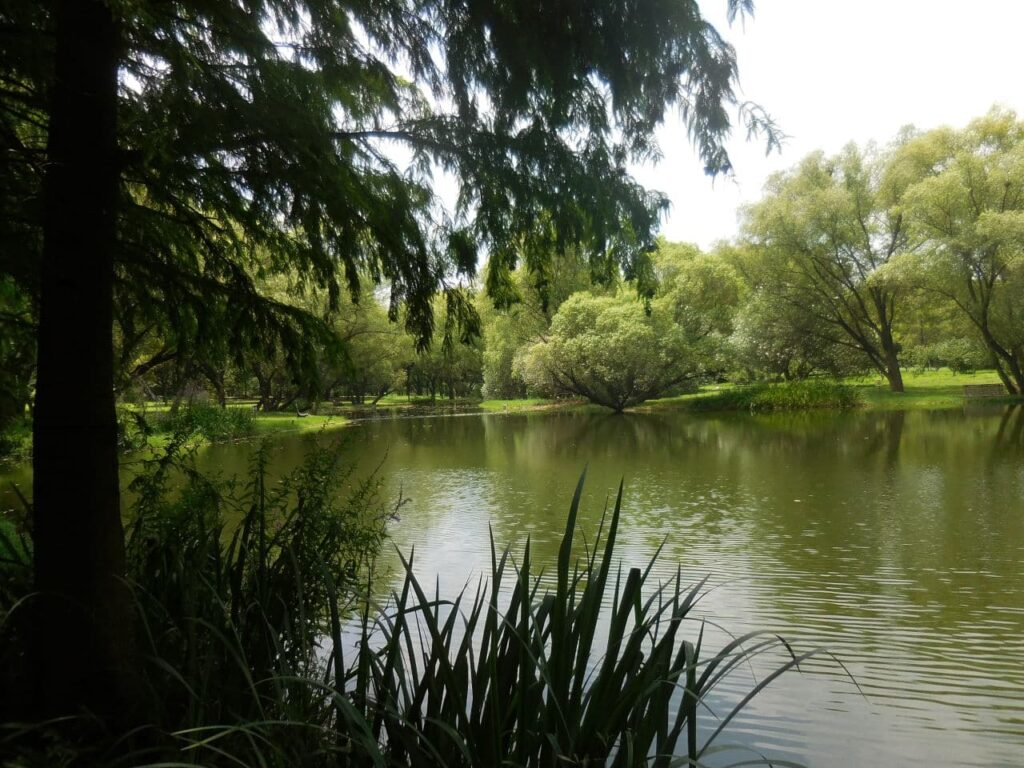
891, 539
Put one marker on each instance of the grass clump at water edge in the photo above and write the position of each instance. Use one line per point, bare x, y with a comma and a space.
786, 396
260, 646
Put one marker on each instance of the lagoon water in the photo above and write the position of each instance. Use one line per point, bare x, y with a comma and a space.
893, 540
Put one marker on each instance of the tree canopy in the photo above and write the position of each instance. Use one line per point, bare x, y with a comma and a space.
968, 207
165, 156
617, 351
824, 232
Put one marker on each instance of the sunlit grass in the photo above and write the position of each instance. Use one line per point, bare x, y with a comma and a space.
924, 390
766, 398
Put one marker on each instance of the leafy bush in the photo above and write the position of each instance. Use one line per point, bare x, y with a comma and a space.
232, 583
614, 352
789, 396
16, 442
212, 422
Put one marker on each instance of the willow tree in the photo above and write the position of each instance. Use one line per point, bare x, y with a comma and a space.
618, 352
825, 232
969, 210
611, 351
176, 143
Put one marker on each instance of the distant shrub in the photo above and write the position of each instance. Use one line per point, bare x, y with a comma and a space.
789, 396
960, 355
16, 442
212, 422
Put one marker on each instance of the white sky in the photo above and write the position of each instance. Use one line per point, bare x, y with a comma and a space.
830, 72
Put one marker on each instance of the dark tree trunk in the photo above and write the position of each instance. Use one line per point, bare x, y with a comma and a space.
892, 371
889, 349
82, 653
216, 378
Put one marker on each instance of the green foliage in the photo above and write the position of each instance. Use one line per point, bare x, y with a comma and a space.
968, 207
618, 352
211, 422
234, 588
509, 329
234, 189
376, 353
824, 234
960, 355
133, 430
232, 583
789, 396
17, 352
447, 368
16, 442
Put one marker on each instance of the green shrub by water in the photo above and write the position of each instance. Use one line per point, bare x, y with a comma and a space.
244, 593
16, 442
789, 396
212, 422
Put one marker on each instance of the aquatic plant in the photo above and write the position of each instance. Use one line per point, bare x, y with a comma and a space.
261, 646
785, 396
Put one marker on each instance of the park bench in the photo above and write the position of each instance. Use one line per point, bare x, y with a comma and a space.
984, 390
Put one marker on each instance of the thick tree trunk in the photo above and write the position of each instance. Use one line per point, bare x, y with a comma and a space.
893, 374
890, 351
83, 644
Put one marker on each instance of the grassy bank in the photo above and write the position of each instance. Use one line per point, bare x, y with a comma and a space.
764, 398
153, 425
526, 404
925, 390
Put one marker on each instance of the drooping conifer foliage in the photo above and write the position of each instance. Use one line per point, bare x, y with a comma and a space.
160, 156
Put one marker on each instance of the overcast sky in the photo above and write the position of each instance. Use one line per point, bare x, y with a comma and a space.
830, 72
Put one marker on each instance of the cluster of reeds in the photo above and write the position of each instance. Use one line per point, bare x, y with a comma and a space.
594, 673
262, 648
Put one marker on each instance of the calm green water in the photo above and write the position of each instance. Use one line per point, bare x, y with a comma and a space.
896, 540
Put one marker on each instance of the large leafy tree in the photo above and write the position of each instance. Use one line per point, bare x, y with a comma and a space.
775, 336
164, 148
969, 210
826, 230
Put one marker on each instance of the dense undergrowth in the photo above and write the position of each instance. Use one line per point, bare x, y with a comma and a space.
213, 423
259, 645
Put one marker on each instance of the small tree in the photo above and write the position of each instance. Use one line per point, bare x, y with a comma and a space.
611, 351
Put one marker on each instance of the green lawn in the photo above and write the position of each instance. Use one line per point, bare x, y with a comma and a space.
925, 390
288, 422
262, 423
